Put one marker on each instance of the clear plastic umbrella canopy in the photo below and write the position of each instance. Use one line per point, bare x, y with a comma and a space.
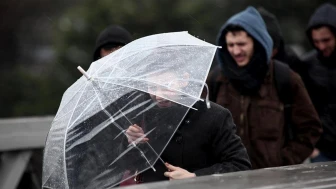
151, 82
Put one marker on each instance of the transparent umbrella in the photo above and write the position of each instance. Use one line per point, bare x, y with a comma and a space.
151, 82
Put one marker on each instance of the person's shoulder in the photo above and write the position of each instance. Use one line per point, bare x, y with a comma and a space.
214, 107
214, 74
296, 82
295, 77
222, 117
218, 109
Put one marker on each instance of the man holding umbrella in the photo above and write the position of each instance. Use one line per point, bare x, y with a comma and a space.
136, 109
205, 143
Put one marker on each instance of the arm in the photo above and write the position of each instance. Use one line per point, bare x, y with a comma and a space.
306, 125
227, 148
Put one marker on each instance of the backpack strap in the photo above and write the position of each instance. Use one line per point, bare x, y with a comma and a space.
283, 86
282, 82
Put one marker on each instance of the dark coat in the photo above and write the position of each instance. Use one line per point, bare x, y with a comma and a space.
259, 113
205, 143
320, 80
260, 120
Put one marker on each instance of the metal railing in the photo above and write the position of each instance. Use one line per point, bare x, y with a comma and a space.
22, 141
21, 144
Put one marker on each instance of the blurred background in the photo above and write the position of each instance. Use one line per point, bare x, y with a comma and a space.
42, 42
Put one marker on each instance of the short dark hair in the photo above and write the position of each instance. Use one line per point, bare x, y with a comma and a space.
332, 29
234, 28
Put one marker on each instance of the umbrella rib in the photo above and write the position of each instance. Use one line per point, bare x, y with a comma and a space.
57, 118
148, 108
97, 96
104, 89
96, 179
115, 66
65, 114
111, 121
150, 48
142, 153
209, 66
108, 59
71, 99
135, 98
134, 108
138, 79
105, 111
154, 94
82, 103
100, 103
146, 141
85, 138
47, 187
131, 146
122, 154
70, 126
65, 137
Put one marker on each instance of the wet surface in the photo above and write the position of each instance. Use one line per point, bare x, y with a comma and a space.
311, 176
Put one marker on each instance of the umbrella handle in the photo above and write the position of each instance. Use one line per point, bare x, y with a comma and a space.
207, 101
84, 72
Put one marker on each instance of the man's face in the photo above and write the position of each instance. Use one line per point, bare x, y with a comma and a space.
324, 40
240, 46
161, 94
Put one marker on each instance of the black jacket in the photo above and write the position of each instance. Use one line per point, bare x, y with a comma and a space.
205, 143
320, 80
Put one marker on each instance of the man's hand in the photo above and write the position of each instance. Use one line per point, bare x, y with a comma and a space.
177, 173
134, 132
315, 153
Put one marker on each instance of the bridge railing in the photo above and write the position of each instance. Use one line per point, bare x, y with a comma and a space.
20, 139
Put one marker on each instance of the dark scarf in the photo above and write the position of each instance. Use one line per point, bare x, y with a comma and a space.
248, 79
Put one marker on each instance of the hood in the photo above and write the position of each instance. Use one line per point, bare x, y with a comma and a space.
323, 15
284, 54
113, 36
273, 28
252, 22
247, 79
